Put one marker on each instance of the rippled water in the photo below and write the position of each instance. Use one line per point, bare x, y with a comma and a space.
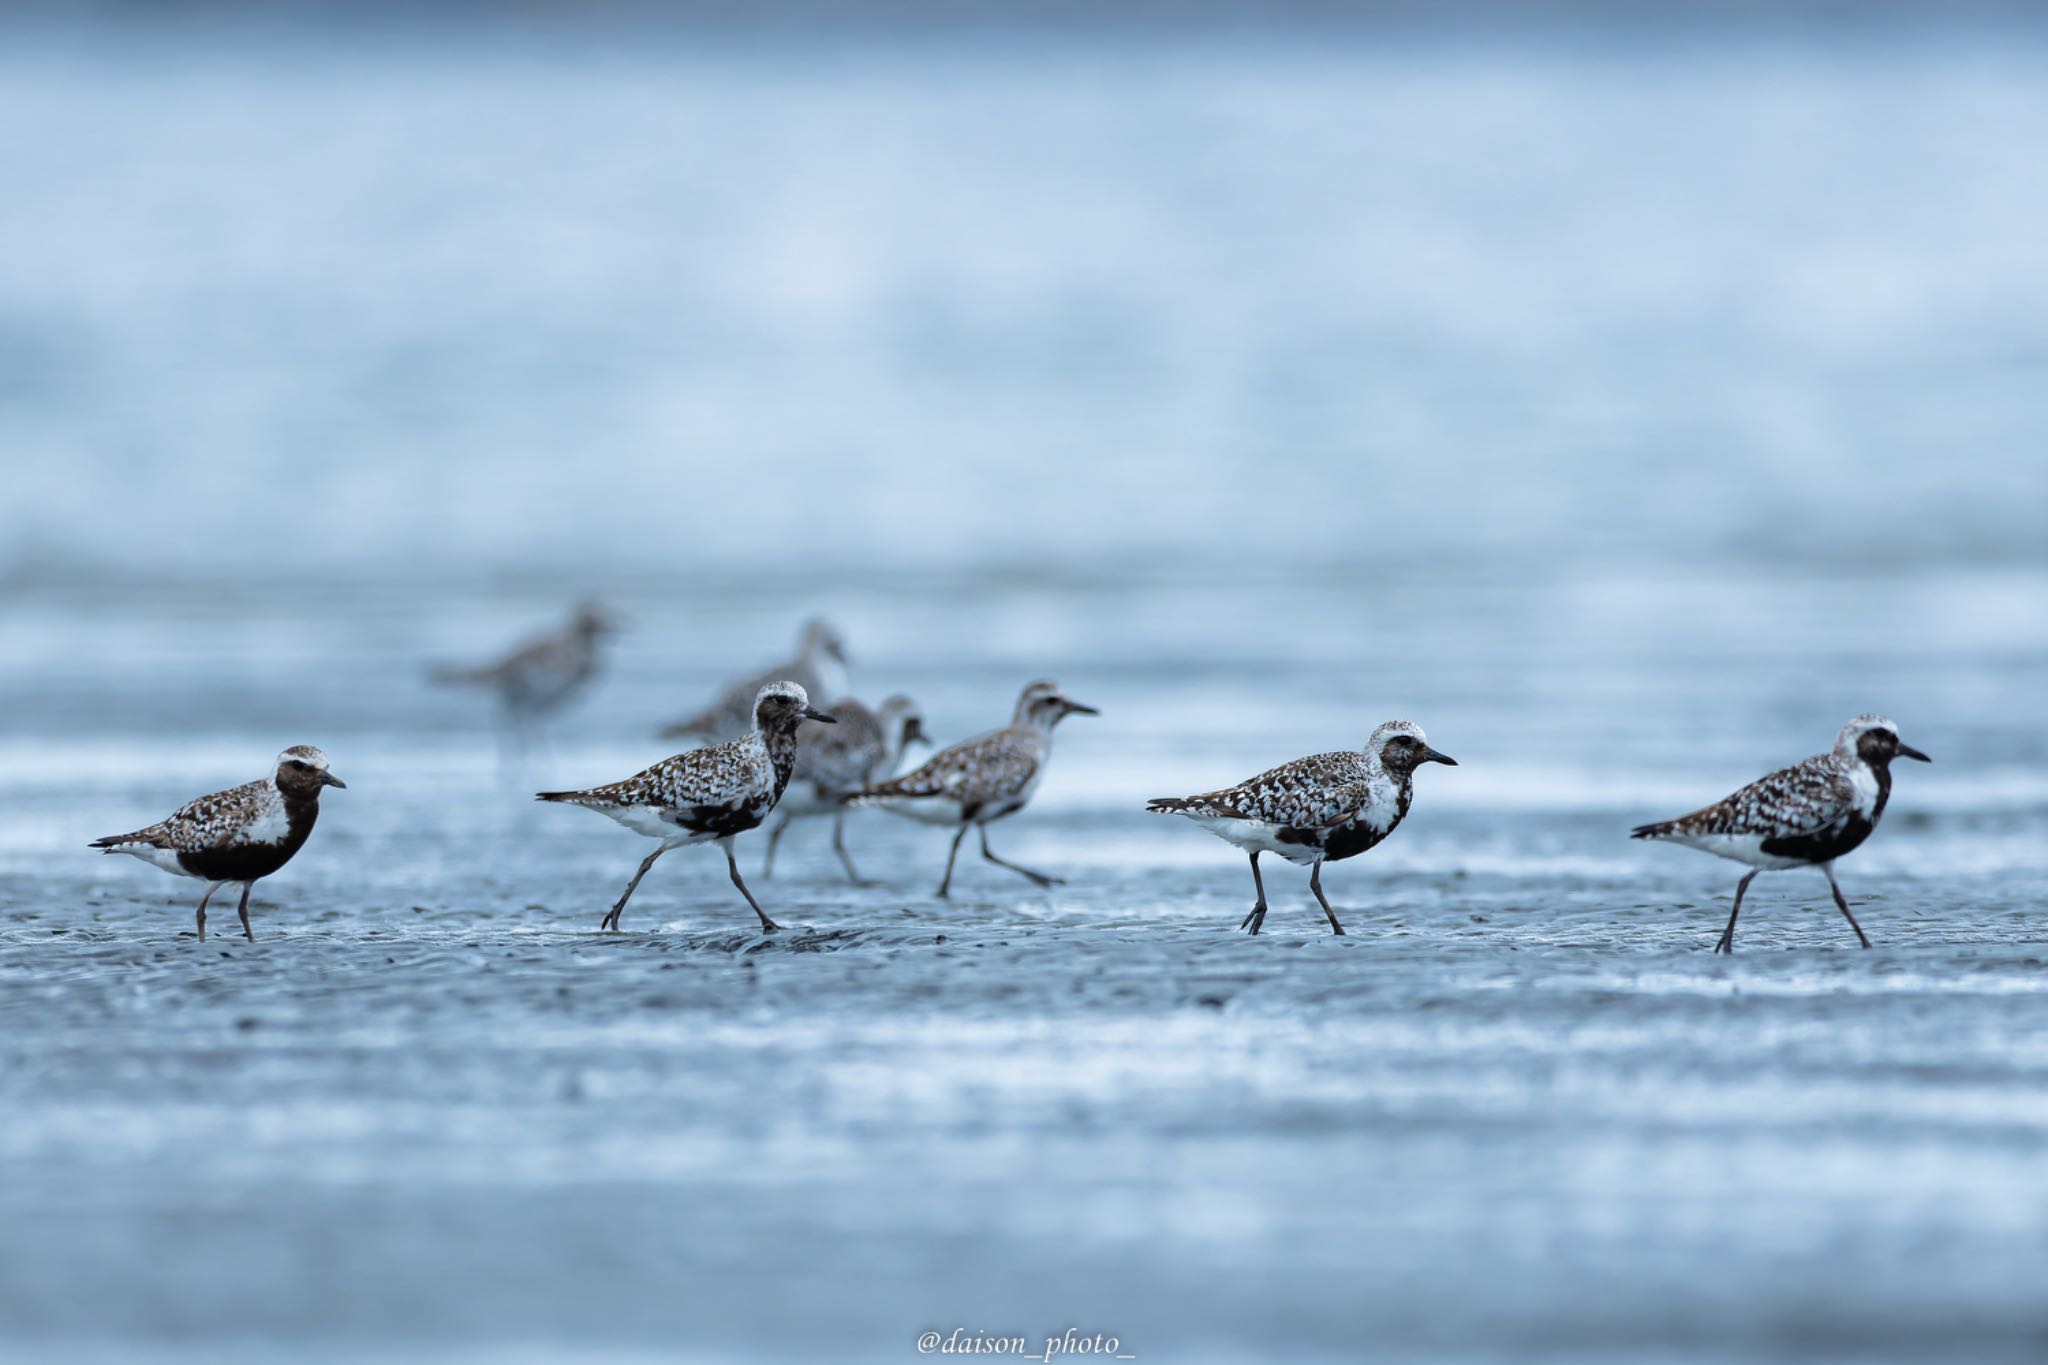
1627, 418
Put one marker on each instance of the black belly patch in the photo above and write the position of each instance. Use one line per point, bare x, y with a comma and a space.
243, 863
1824, 846
1351, 839
720, 822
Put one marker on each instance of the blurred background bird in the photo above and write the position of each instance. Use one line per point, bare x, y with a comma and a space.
539, 678
834, 761
819, 668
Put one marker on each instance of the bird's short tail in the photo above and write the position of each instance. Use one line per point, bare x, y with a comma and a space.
113, 843
570, 797
1170, 805
1659, 830
910, 786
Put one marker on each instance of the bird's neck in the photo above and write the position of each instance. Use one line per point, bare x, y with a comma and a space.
781, 746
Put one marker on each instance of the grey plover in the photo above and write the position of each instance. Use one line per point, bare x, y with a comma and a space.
819, 668
541, 676
241, 835
708, 795
865, 746
982, 779
1806, 815
1320, 809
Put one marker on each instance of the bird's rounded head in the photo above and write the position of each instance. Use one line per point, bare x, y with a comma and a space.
1874, 740
782, 706
1045, 703
1401, 747
302, 769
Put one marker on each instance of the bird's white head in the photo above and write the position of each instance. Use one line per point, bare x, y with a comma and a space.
1401, 747
1045, 704
822, 640
302, 769
1874, 740
782, 706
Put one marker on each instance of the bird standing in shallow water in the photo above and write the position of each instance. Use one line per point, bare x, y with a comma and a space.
708, 795
241, 835
865, 746
982, 779
819, 668
1806, 815
540, 677
1320, 809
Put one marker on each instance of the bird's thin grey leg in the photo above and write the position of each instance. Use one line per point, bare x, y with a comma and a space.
946, 882
611, 919
211, 888
774, 838
243, 910
1727, 943
1315, 884
1256, 920
1037, 878
1843, 905
839, 847
732, 865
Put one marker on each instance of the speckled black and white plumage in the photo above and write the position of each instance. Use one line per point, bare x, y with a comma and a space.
982, 779
542, 676
1323, 808
819, 668
833, 761
240, 835
709, 794
1806, 815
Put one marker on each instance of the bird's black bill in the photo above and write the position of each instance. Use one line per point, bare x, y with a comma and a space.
813, 713
1076, 708
1908, 751
329, 779
1433, 756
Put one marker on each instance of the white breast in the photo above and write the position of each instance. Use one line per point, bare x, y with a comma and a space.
1382, 806
267, 828
1863, 783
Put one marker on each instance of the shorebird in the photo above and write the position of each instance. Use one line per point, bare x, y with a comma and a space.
241, 835
819, 668
708, 795
982, 779
540, 677
865, 746
1806, 815
1320, 809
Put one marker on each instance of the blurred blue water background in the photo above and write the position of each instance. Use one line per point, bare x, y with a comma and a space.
1628, 395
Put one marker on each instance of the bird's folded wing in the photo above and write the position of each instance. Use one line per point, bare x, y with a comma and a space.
991, 765
1803, 799
212, 820
1306, 793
